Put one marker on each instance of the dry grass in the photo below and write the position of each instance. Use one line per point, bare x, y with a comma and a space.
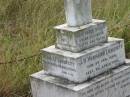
26, 26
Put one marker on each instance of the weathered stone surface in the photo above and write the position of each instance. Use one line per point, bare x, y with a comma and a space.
79, 67
116, 83
76, 39
78, 12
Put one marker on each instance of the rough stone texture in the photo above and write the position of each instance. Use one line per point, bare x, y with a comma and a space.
115, 83
78, 12
76, 39
79, 67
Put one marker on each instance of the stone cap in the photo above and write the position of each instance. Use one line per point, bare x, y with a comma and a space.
65, 27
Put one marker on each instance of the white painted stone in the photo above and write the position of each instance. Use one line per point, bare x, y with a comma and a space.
76, 39
78, 12
115, 83
79, 67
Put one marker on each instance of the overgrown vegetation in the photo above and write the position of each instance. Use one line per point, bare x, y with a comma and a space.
26, 26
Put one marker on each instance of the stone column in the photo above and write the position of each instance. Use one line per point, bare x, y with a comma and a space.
78, 12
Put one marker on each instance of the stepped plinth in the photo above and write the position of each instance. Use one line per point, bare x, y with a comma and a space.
79, 67
76, 39
115, 83
84, 62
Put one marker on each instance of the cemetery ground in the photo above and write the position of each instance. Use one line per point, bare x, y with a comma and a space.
26, 26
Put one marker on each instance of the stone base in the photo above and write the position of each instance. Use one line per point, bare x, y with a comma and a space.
79, 67
115, 83
76, 39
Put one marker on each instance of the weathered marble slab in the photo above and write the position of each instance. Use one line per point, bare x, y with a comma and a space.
78, 12
79, 67
115, 83
76, 39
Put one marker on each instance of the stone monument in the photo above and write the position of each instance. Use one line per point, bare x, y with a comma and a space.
84, 62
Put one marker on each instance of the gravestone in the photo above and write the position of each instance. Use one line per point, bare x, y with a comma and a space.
84, 62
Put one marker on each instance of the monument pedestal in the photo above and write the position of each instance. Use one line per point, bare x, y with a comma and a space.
114, 83
79, 67
84, 62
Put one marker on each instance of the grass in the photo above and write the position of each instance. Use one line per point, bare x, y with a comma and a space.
26, 26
